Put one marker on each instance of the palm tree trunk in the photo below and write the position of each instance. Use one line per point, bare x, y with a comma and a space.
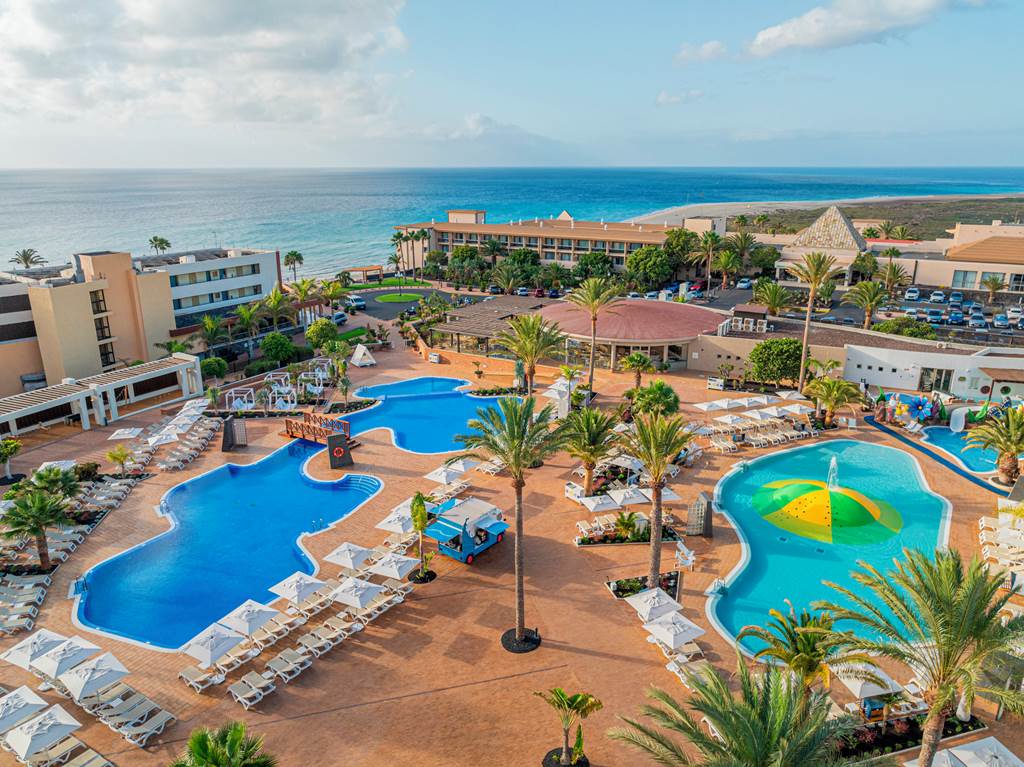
588, 479
423, 560
520, 592
655, 567
636, 379
593, 351
931, 732
803, 347
1009, 468
566, 751
867, 319
43, 549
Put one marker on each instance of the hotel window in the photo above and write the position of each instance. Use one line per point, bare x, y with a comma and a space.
531, 241
472, 238
564, 257
962, 279
618, 260
565, 244
98, 301
634, 246
585, 244
503, 239
102, 328
986, 275
618, 246
519, 241
600, 245
107, 357
549, 255
1017, 283
549, 242
442, 237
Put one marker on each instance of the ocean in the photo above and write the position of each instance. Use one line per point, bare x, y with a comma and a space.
339, 218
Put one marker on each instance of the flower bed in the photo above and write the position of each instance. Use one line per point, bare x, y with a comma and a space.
351, 407
617, 538
874, 740
627, 587
497, 391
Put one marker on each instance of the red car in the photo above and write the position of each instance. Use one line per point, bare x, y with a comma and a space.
538, 293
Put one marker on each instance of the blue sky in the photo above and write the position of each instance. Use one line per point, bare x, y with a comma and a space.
190, 83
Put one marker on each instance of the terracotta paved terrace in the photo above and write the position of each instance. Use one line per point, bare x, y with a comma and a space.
428, 683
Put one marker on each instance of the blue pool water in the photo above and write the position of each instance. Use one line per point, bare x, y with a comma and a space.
978, 460
236, 535
423, 414
783, 565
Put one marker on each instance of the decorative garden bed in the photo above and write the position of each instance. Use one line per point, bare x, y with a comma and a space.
496, 391
618, 539
627, 587
874, 740
351, 407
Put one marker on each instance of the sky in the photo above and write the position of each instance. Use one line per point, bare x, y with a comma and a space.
353, 83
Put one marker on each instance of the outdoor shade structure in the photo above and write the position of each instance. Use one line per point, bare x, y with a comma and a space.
17, 706
356, 592
628, 496
248, 617
32, 647
394, 565
93, 676
398, 521
212, 644
349, 555
64, 656
297, 586
41, 732
984, 752
652, 604
464, 529
673, 630
856, 679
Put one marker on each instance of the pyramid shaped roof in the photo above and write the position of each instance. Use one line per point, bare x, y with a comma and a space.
832, 231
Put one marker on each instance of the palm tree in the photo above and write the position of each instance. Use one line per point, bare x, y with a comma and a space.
939, 618
639, 363
420, 235
1004, 435
302, 292
589, 437
822, 367
571, 709
760, 221
505, 276
230, 746
769, 723
867, 296
594, 295
710, 242
9, 448
993, 283
656, 397
26, 258
212, 397
293, 260
740, 221
333, 293
655, 441
901, 233
513, 433
276, 305
159, 244
53, 480
248, 318
120, 455
742, 244
814, 269
886, 228
398, 241
833, 393
728, 263
530, 339
892, 275
871, 233
212, 331
775, 298
397, 260
28, 517
492, 249
176, 346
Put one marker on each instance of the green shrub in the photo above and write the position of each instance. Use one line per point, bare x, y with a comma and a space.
213, 367
259, 367
320, 332
276, 346
88, 471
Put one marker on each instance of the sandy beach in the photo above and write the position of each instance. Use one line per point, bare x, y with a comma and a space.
676, 214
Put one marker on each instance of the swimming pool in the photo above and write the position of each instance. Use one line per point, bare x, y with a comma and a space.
976, 460
800, 529
236, 533
422, 414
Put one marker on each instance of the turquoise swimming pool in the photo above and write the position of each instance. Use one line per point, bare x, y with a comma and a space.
808, 514
976, 460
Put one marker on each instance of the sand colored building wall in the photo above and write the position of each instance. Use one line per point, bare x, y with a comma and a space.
154, 301
66, 331
708, 353
19, 358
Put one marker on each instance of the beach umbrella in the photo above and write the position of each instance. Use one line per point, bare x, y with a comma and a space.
731, 419
708, 407
758, 415
727, 403
866, 681
297, 586
393, 565
790, 394
87, 679
443, 475
596, 503
38, 734
462, 465
31, 647
211, 644
17, 706
627, 462
627, 496
125, 434
248, 617
64, 656
667, 494
356, 592
67, 465
673, 630
349, 555
405, 507
652, 604
773, 412
798, 409
396, 522
162, 438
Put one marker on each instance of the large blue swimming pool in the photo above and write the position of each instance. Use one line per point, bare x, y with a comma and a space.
801, 531
236, 534
977, 460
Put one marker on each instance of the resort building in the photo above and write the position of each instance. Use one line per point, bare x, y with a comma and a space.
108, 310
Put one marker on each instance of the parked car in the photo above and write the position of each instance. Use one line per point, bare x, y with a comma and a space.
696, 285
652, 295
977, 321
1014, 313
934, 316
494, 290
849, 321
553, 293
356, 301
522, 290
956, 306
1020, 324
633, 294
744, 283
955, 318
1001, 322
971, 306
911, 314
340, 318
937, 297
956, 296
538, 293
912, 294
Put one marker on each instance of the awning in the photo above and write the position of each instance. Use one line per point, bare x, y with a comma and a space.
1004, 375
495, 526
441, 530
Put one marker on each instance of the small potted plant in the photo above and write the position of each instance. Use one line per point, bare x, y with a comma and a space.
571, 709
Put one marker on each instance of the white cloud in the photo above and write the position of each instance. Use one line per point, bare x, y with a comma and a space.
665, 99
712, 49
847, 22
198, 60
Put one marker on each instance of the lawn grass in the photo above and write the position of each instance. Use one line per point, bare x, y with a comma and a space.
398, 298
390, 282
348, 335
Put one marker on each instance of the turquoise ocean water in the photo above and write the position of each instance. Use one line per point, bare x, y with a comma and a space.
345, 217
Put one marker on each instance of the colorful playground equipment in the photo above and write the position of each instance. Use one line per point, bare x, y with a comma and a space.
464, 529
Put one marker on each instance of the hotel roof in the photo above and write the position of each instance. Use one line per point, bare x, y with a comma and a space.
640, 321
993, 250
554, 227
832, 231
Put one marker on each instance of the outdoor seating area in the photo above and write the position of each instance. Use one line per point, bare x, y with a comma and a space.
877, 696
669, 631
768, 426
1002, 544
186, 435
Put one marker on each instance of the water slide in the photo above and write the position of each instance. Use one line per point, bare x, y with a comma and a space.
958, 418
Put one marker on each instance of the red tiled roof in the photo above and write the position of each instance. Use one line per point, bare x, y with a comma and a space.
637, 321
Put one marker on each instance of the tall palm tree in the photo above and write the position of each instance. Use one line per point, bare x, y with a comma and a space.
492, 249
589, 436
740, 221
53, 480
770, 722
420, 521
302, 292
505, 276
867, 296
26, 258
30, 515
941, 619
176, 345
656, 397
892, 275
993, 283
833, 393
397, 260
248, 318
1004, 435
594, 295
230, 746
710, 243
655, 441
531, 339
742, 244
398, 241
521, 438
212, 331
639, 363
775, 298
760, 221
421, 235
728, 263
159, 244
276, 305
293, 260
333, 293
822, 367
814, 270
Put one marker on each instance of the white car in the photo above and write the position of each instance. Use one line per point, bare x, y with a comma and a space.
1015, 313
912, 294
937, 297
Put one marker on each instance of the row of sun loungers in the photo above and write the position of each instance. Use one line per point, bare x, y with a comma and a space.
447, 492
606, 524
492, 467
1002, 544
190, 445
63, 753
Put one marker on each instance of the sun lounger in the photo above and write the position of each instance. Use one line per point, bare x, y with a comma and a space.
33, 580
12, 610
492, 467
235, 657
266, 636
198, 679
283, 624
245, 694
133, 715
56, 754
88, 758
140, 733
317, 645
288, 664
588, 530
396, 586
33, 596
108, 697
334, 635
684, 671
344, 621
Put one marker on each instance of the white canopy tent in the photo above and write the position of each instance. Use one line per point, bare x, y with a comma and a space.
17, 706
211, 644
361, 357
242, 398
93, 676
38, 734
652, 604
673, 630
